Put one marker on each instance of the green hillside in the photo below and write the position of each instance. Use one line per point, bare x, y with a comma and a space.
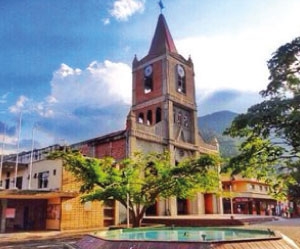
213, 125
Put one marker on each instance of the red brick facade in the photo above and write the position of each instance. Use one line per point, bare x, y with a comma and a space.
115, 149
139, 94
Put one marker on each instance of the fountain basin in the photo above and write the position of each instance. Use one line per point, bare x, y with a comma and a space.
183, 237
185, 234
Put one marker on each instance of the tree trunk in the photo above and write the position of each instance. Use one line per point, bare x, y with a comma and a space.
137, 219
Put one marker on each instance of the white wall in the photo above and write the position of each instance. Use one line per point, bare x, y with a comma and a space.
54, 167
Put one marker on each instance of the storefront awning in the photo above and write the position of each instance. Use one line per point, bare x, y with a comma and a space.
251, 195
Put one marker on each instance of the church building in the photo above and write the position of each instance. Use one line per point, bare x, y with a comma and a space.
163, 116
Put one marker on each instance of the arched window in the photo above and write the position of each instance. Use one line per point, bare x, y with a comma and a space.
148, 79
181, 87
158, 115
149, 117
141, 118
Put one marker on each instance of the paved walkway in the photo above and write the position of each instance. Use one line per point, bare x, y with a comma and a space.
288, 227
41, 235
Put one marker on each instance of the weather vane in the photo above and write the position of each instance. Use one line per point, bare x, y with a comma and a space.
161, 5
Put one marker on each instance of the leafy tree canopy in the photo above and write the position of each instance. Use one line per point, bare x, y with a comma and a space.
271, 128
139, 181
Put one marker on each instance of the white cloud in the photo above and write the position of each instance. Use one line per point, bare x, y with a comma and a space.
51, 100
106, 21
3, 98
8, 140
227, 62
20, 104
238, 60
100, 84
95, 87
88, 102
123, 9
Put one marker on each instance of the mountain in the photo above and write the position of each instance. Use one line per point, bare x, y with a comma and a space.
213, 125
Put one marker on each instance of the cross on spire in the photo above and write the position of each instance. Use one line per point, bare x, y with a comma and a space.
161, 5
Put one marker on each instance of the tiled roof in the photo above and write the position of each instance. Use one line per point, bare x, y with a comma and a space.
162, 41
107, 137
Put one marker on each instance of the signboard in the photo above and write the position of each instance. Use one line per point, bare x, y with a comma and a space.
241, 199
53, 211
10, 213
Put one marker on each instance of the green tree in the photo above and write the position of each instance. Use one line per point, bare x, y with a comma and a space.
139, 181
270, 129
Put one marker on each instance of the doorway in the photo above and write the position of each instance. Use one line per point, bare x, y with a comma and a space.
182, 207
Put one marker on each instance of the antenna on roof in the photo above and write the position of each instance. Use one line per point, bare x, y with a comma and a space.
161, 5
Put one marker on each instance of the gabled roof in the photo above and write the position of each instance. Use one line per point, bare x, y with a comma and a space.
162, 41
103, 139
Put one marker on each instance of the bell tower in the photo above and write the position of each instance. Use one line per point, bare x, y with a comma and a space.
163, 113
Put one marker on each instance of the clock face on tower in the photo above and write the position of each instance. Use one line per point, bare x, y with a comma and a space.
180, 71
148, 71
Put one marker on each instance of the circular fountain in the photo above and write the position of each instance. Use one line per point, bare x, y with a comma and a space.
183, 237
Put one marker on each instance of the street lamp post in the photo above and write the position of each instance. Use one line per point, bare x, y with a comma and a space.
221, 211
18, 147
31, 157
127, 199
2, 155
127, 209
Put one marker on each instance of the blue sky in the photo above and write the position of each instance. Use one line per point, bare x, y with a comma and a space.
66, 64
